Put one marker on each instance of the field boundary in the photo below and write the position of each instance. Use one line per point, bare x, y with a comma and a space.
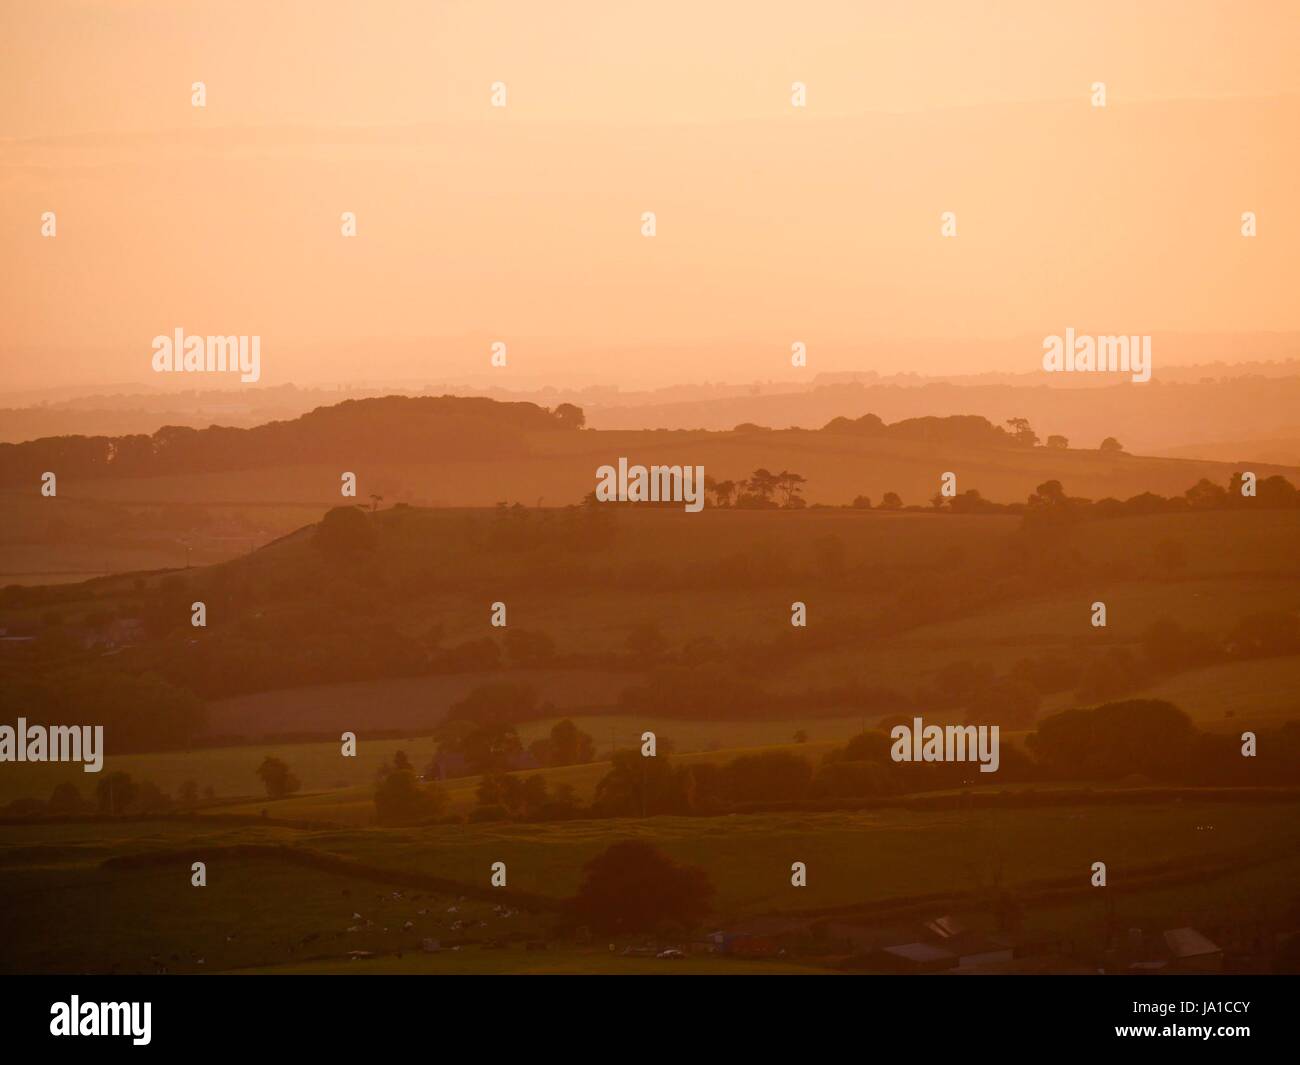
330, 863
1043, 892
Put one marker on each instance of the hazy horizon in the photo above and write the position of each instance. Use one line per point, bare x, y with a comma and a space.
776, 224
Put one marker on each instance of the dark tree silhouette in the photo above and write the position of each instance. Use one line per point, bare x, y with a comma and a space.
116, 793
566, 745
788, 484
1021, 431
399, 799
1206, 495
1147, 736
760, 486
570, 416
637, 786
277, 777
634, 887
723, 492
487, 748
344, 531
66, 799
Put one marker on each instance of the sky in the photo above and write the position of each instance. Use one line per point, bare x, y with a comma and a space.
522, 224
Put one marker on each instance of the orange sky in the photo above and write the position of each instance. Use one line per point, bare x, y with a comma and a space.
521, 224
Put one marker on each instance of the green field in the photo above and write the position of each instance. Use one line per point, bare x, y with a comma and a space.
1244, 899
75, 537
78, 918
726, 576
590, 961
66, 912
355, 805
851, 857
1237, 695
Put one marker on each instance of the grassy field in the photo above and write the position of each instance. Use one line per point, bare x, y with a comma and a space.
355, 805
851, 857
74, 536
1062, 621
1235, 564
65, 911
229, 771
591, 961
892, 597
1237, 695
406, 703
250, 913
1244, 899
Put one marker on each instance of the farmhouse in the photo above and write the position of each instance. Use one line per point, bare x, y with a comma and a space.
1174, 950
973, 950
1189, 951
943, 944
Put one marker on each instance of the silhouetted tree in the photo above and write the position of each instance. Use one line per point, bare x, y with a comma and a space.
632, 886
1147, 736
116, 793
519, 796
566, 745
788, 483
570, 416
635, 786
278, 779
344, 531
1206, 495
399, 799
1022, 433
768, 776
66, 799
491, 747
759, 488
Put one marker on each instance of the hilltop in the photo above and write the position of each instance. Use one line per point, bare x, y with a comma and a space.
460, 451
198, 496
